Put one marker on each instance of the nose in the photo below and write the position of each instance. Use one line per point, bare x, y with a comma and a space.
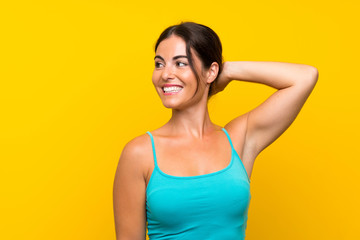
168, 72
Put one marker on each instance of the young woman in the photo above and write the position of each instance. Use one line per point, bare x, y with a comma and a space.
190, 178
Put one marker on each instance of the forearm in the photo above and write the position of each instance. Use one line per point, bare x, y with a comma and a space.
278, 75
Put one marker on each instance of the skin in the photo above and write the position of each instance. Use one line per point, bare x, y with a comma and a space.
204, 146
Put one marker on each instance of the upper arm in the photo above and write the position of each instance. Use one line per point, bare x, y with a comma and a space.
129, 194
265, 123
270, 119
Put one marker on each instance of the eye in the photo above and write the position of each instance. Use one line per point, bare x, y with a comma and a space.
181, 64
158, 64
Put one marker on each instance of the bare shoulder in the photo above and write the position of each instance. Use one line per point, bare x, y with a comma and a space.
237, 131
136, 154
137, 145
129, 190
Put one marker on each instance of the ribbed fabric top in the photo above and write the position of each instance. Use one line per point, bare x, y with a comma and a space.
211, 206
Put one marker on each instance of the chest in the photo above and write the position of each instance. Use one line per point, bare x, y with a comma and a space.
184, 158
195, 160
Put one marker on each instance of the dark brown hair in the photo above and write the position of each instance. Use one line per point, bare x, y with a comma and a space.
203, 40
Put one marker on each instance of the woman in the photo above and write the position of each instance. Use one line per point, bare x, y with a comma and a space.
196, 183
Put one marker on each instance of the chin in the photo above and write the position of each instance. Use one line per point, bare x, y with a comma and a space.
171, 105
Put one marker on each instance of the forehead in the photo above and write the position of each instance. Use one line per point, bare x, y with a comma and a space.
171, 46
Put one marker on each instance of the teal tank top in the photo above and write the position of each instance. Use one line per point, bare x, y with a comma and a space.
211, 206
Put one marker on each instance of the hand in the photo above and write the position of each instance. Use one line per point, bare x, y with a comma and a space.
223, 79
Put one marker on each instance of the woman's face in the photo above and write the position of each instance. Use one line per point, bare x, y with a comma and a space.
173, 77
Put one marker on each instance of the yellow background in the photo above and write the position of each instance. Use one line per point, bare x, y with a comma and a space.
76, 87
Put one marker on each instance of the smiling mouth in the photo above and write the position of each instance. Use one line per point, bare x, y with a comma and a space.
174, 89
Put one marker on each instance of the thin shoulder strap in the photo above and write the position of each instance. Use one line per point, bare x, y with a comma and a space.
228, 136
153, 147
242, 164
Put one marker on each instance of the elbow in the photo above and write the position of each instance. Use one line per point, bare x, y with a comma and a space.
306, 77
310, 78
313, 75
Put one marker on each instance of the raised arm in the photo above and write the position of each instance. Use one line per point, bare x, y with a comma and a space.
269, 120
129, 194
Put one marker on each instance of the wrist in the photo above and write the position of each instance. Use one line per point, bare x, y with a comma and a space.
226, 72
235, 70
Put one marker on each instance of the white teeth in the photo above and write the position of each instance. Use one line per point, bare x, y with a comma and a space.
172, 89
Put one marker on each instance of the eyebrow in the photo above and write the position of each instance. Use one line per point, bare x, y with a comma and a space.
174, 58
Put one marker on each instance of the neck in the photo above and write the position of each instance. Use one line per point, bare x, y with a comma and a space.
192, 122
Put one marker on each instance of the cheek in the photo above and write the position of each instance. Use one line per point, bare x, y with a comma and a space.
154, 77
189, 76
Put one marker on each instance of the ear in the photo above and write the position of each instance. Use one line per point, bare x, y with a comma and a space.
212, 72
